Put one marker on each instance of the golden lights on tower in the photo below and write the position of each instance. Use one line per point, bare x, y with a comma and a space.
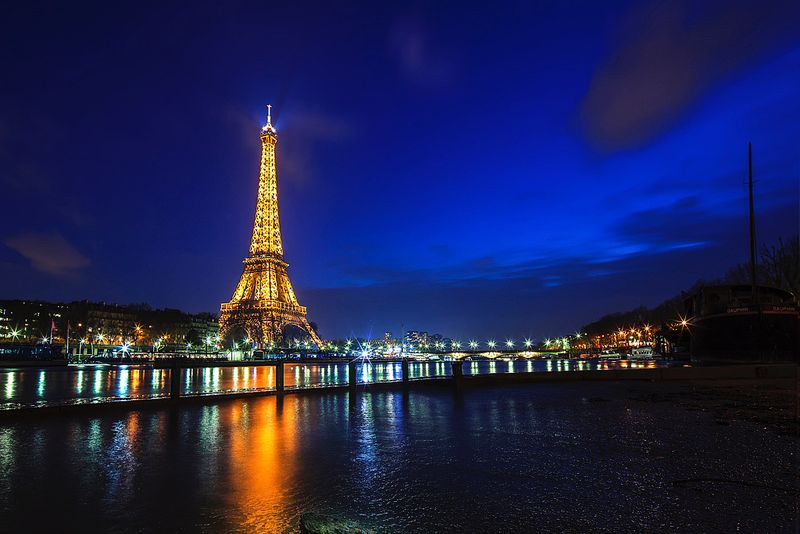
263, 303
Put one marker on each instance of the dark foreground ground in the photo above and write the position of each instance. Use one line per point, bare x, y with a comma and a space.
704, 456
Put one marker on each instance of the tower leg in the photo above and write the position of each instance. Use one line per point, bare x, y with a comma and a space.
312, 334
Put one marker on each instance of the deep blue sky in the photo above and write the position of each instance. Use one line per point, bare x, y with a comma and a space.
478, 170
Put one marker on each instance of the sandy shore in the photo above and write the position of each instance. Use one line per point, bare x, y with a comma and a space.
771, 403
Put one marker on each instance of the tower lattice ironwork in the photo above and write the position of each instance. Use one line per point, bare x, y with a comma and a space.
263, 303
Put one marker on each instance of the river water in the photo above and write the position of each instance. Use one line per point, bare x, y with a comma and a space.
82, 384
570, 457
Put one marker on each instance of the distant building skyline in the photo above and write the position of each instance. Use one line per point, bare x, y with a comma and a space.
92, 326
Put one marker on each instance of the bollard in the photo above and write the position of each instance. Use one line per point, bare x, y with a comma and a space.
404, 371
458, 372
175, 380
351, 374
279, 376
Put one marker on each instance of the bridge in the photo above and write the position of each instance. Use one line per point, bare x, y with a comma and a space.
304, 355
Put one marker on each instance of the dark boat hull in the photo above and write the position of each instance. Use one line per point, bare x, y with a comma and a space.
746, 337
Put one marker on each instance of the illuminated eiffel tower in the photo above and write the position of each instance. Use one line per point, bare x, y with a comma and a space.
263, 303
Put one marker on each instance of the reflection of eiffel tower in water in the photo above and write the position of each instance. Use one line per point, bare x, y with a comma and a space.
263, 303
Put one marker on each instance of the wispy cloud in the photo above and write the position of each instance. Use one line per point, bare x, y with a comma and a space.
636, 241
307, 130
49, 253
420, 62
670, 55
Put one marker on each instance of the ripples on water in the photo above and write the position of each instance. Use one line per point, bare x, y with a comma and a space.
86, 384
512, 459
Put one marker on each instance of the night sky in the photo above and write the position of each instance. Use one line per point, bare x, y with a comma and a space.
480, 170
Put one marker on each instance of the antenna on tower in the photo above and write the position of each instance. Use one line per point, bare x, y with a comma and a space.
269, 115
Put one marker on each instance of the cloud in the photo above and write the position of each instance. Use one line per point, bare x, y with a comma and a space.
306, 131
536, 298
671, 54
648, 256
48, 253
419, 61
540, 303
687, 222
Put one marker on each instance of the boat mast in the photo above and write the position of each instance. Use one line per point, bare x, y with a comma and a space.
753, 278
752, 224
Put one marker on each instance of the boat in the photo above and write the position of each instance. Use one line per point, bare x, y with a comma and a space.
642, 353
609, 354
740, 323
743, 322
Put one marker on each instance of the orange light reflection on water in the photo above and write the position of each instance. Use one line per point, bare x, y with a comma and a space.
263, 449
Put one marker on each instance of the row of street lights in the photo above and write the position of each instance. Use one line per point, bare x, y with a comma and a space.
564, 343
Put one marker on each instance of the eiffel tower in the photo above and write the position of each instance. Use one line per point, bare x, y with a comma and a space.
263, 303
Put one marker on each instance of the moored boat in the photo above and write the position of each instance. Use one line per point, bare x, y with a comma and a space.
609, 354
642, 353
734, 323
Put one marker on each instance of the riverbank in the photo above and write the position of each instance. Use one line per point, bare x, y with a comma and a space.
772, 404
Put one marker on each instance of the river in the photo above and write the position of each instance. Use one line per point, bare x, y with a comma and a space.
83, 384
589, 456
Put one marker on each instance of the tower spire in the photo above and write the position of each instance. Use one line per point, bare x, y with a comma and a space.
269, 115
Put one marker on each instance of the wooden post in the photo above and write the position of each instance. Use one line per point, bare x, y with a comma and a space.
175, 380
351, 375
458, 372
279, 377
404, 371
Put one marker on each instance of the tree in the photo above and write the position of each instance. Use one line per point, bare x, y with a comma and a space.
781, 264
778, 266
192, 336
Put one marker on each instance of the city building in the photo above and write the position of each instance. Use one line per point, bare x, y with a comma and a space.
91, 328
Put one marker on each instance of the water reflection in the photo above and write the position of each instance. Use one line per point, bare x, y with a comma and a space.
42, 383
100, 383
10, 380
262, 455
393, 461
